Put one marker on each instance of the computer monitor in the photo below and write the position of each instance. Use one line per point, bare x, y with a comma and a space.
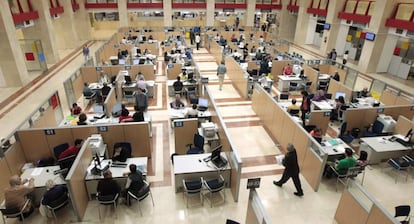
190, 76
215, 153
116, 109
98, 109
338, 94
66, 163
121, 61
97, 160
127, 79
202, 102
409, 134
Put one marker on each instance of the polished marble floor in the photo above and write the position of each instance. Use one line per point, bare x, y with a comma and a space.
257, 151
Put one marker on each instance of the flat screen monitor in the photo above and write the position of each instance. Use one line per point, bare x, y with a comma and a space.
97, 160
338, 94
215, 153
202, 102
98, 109
370, 36
190, 76
327, 26
116, 107
66, 163
121, 61
135, 62
409, 134
127, 79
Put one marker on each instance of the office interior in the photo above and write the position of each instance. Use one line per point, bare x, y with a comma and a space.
252, 127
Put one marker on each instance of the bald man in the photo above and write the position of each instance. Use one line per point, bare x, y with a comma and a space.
15, 195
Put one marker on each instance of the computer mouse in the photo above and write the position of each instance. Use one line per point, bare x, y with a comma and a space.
335, 150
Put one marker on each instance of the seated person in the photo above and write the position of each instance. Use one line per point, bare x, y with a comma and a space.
138, 116
75, 110
192, 112
177, 103
293, 107
319, 96
340, 103
178, 85
135, 180
15, 195
72, 150
108, 186
124, 115
362, 160
103, 78
82, 119
121, 154
287, 70
253, 49
86, 90
105, 90
344, 164
316, 133
364, 93
183, 75
120, 56
53, 192
124, 40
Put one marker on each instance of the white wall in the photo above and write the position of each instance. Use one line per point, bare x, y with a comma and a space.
387, 52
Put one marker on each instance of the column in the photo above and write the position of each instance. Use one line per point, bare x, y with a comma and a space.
250, 11
372, 51
13, 71
286, 24
44, 31
330, 37
167, 7
66, 35
302, 23
123, 13
82, 23
210, 12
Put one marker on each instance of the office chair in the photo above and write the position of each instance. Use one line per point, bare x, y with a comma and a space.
193, 188
125, 146
107, 200
351, 173
328, 95
403, 211
284, 96
309, 128
293, 86
198, 142
311, 95
306, 85
57, 150
377, 128
229, 221
323, 85
294, 112
401, 165
346, 137
141, 195
90, 97
213, 186
129, 95
57, 204
14, 212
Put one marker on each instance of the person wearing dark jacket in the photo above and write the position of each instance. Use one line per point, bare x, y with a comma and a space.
135, 180
291, 170
305, 107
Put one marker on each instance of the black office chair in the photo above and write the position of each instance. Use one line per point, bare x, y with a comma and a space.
229, 221
193, 188
400, 165
284, 96
126, 148
345, 135
57, 150
141, 195
328, 95
323, 85
107, 200
57, 204
294, 112
198, 142
377, 128
14, 212
293, 86
404, 212
213, 186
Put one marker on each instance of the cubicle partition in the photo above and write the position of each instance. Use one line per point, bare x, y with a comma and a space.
320, 119
91, 74
364, 208
331, 69
391, 98
285, 129
110, 101
216, 51
403, 126
184, 134
277, 68
312, 75
174, 71
75, 181
237, 76
138, 134
335, 86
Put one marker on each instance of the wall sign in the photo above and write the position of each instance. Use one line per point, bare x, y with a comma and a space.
178, 124
102, 128
98, 69
380, 110
327, 114
50, 132
253, 183
127, 67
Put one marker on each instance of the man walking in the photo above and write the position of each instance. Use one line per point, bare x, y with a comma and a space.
85, 52
221, 71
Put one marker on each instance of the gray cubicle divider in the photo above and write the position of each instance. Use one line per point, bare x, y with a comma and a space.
75, 181
256, 213
364, 208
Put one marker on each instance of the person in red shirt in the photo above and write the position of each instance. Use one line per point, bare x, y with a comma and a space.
73, 150
75, 110
124, 115
287, 70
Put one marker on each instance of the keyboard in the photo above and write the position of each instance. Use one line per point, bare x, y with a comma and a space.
118, 166
403, 142
219, 162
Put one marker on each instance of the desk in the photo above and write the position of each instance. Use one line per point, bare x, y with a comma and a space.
190, 167
186, 84
41, 175
133, 87
180, 113
91, 181
285, 104
324, 77
334, 147
284, 80
367, 102
322, 105
380, 148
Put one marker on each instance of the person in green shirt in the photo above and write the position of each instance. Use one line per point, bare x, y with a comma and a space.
344, 164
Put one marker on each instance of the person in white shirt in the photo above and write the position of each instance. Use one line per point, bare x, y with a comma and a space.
198, 40
141, 83
148, 62
103, 78
124, 41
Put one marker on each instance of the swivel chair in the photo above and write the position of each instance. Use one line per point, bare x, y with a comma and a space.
140, 195
57, 204
193, 188
377, 128
345, 135
14, 212
198, 142
125, 146
107, 200
57, 150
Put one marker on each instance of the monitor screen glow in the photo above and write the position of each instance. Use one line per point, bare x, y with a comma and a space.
202, 102
370, 36
117, 107
127, 79
327, 26
98, 109
338, 94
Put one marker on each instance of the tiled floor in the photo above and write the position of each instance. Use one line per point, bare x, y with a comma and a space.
257, 150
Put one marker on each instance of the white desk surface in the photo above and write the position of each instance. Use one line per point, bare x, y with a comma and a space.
323, 105
289, 78
117, 172
366, 102
97, 85
340, 147
185, 83
180, 113
184, 164
324, 77
42, 174
382, 144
